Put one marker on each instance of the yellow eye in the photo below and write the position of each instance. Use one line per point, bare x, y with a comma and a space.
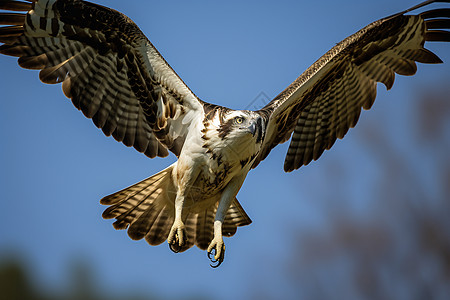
239, 120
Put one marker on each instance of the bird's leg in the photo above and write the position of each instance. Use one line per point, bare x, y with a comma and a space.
177, 236
184, 174
216, 249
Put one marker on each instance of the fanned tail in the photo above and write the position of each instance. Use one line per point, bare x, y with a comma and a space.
147, 210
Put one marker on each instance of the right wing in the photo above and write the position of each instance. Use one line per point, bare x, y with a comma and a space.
107, 66
326, 100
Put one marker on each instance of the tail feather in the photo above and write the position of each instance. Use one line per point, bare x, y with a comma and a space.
190, 223
126, 212
204, 228
235, 217
160, 229
135, 202
138, 191
145, 208
139, 228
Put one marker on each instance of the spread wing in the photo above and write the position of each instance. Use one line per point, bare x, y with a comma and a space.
326, 100
109, 69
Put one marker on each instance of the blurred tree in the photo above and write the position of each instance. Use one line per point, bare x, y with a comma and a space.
15, 284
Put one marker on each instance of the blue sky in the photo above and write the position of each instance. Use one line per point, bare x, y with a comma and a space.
55, 164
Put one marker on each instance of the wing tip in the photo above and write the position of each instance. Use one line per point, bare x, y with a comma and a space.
288, 168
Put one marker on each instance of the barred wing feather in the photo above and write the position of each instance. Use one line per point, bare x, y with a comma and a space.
109, 69
326, 100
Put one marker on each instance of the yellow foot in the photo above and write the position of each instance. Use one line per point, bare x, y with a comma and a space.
177, 237
216, 252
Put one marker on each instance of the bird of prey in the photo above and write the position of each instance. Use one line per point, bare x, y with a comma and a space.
116, 77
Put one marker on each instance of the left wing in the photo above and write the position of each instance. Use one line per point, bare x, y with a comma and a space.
107, 66
326, 100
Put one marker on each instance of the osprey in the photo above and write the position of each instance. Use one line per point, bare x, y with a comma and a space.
116, 77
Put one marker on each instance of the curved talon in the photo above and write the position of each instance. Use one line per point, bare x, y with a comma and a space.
175, 248
216, 266
219, 261
177, 238
209, 255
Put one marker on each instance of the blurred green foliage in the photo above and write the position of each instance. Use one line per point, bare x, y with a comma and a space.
16, 283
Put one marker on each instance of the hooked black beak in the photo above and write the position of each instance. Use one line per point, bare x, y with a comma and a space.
252, 128
256, 127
